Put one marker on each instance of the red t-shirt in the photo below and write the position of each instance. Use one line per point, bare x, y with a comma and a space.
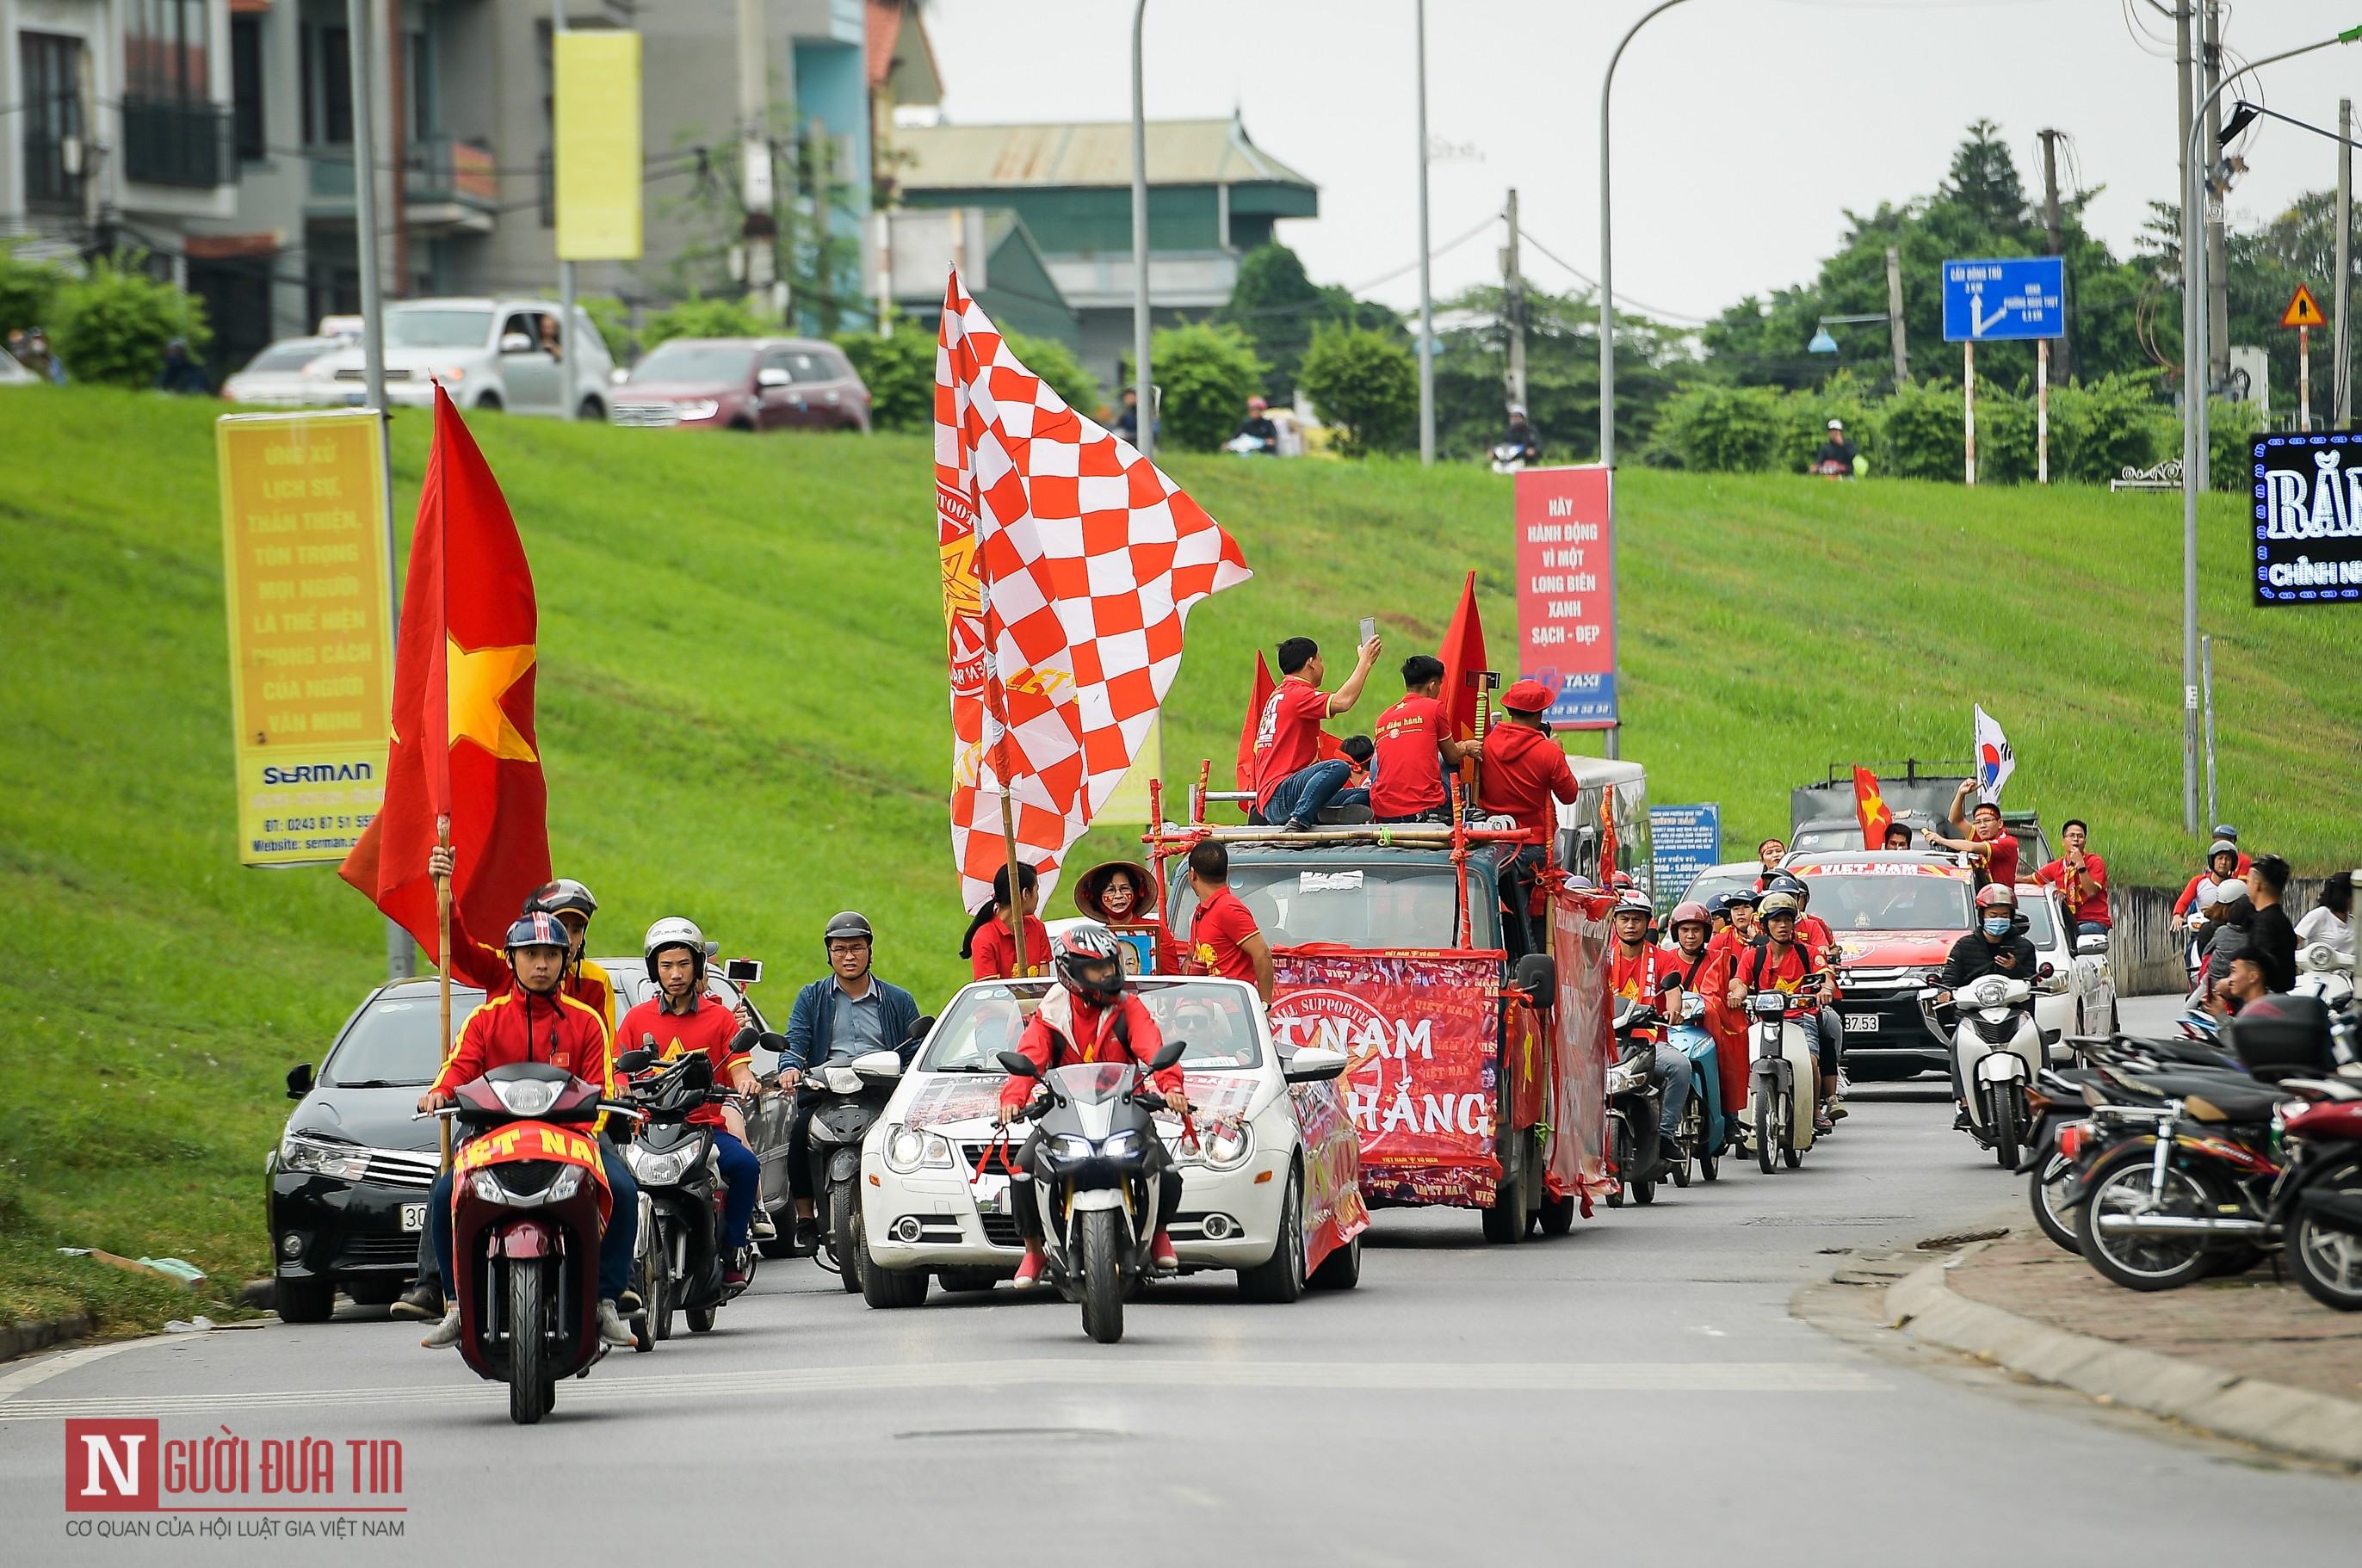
2000, 860
1406, 769
994, 951
1814, 933
1761, 972
1524, 769
1217, 934
1288, 736
2093, 909
1064, 1031
710, 1029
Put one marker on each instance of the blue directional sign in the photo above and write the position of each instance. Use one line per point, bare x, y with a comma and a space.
1683, 841
2009, 297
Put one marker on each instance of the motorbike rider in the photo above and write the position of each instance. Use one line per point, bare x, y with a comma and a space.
1836, 454
1997, 946
1259, 425
535, 1021
684, 1017
1777, 961
1522, 435
845, 1013
1813, 933
1701, 969
1639, 971
1737, 909
1092, 1015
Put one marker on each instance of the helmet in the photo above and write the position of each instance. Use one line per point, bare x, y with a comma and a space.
2224, 830
1689, 913
2221, 846
563, 896
850, 926
1742, 894
674, 931
1622, 881
1082, 948
1633, 903
1996, 894
537, 929
1774, 905
1783, 883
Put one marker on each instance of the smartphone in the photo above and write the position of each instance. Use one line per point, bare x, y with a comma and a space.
1369, 629
742, 971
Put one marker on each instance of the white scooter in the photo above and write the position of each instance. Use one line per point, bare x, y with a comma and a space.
2324, 972
1996, 1052
1509, 457
1783, 1078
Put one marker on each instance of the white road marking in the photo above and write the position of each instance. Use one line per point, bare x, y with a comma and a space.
40, 1372
1618, 1377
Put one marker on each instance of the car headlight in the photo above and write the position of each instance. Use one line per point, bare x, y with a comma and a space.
529, 1096
318, 1157
700, 408
908, 1149
455, 373
1121, 1145
1070, 1149
1226, 1146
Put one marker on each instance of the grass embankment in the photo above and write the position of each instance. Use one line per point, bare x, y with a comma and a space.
742, 718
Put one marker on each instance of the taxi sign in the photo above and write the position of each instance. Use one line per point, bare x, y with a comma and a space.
2304, 310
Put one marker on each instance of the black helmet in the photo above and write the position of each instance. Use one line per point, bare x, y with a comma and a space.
1080, 952
1792, 886
851, 925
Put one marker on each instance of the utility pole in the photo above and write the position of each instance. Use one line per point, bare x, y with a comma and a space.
758, 236
1895, 315
2218, 189
1513, 308
566, 347
1143, 434
2056, 229
1426, 290
2341, 407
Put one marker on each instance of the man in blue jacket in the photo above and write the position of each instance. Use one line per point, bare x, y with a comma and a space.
846, 1013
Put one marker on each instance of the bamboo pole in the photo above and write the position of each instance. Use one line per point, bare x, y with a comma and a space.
443, 963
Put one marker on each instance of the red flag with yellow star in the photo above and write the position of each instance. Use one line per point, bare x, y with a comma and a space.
463, 738
1871, 808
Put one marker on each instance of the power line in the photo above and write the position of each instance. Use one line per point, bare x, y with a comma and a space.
1588, 282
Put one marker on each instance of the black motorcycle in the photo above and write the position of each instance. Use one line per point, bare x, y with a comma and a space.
1636, 1102
682, 1262
1096, 1129
845, 1099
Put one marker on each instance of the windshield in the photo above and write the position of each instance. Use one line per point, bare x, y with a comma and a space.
395, 1041
1891, 902
1092, 1080
1214, 1023
281, 358
437, 328
1711, 883
696, 362
1368, 907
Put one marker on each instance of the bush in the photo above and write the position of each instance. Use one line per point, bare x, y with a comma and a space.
1364, 384
698, 317
613, 317
1055, 363
28, 290
112, 325
2231, 429
1204, 375
1922, 430
900, 372
2099, 428
1717, 429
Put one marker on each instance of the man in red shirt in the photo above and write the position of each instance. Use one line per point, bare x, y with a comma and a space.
1414, 745
1223, 937
683, 1017
533, 1020
1292, 785
1523, 771
2081, 881
1640, 971
1776, 960
1993, 849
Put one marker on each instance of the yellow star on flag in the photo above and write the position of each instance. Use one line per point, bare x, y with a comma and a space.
478, 681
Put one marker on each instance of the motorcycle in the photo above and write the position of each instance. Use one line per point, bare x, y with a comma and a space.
682, 1262
1783, 1078
1509, 457
849, 1097
1094, 1125
1705, 1132
2323, 971
1245, 446
529, 1200
1996, 1052
1635, 1106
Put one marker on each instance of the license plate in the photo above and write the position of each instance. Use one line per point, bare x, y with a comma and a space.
414, 1216
1861, 1022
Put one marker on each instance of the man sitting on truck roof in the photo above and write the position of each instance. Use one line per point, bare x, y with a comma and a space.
1524, 771
1414, 745
1292, 785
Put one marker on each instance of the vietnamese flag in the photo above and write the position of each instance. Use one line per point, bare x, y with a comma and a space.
1870, 807
1462, 654
463, 743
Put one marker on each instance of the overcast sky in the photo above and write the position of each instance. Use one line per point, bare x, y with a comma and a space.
1744, 128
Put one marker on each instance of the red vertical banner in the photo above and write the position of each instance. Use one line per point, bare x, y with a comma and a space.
1566, 592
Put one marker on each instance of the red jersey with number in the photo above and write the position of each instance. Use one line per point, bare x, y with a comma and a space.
711, 1028
1288, 736
1217, 936
1406, 769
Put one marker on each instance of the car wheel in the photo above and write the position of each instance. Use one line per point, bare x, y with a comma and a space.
592, 411
1340, 1270
304, 1300
1279, 1278
888, 1287
968, 1279
1557, 1216
489, 402
374, 1292
700, 1320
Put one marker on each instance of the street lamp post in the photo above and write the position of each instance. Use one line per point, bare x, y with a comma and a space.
1145, 392
2194, 348
1426, 292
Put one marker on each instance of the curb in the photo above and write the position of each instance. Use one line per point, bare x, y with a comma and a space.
25, 1338
2295, 1420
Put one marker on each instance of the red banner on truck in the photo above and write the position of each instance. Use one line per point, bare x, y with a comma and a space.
1566, 592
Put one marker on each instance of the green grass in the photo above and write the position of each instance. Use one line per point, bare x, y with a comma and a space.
743, 717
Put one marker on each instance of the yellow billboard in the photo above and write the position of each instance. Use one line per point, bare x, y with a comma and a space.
310, 660
596, 137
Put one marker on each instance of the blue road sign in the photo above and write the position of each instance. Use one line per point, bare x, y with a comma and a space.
1683, 842
2009, 297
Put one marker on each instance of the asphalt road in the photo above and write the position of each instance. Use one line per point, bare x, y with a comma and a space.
1640, 1390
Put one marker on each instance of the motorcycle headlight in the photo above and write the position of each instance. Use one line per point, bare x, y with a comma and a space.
841, 1080
569, 1183
318, 1157
486, 1186
1121, 1145
655, 1167
530, 1097
1070, 1150
1227, 1145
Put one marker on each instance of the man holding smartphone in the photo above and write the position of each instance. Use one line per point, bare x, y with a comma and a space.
1293, 784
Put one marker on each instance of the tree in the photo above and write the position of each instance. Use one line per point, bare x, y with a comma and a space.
27, 291
1364, 384
613, 317
1205, 375
900, 372
698, 317
1055, 363
1561, 374
1277, 307
112, 325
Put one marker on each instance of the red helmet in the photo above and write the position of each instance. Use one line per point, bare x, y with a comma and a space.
1994, 893
1689, 913
1088, 963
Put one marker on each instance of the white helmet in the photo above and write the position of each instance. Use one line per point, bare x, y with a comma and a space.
674, 931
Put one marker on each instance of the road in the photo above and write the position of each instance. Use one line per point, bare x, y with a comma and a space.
1638, 1390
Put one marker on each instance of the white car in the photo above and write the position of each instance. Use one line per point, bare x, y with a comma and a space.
1272, 1163
2073, 991
487, 353
274, 377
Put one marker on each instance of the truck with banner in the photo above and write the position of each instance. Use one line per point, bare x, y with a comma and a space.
1472, 1082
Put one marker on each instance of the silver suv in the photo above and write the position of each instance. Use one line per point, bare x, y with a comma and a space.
487, 353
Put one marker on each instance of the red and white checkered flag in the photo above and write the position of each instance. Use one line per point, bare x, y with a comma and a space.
1069, 564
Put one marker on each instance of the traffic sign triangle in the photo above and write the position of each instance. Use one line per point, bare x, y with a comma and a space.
2303, 311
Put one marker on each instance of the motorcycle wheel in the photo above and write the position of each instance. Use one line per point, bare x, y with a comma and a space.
2043, 1190
662, 1300
1279, 1278
1691, 1135
2001, 1120
1767, 1113
1619, 1152
1790, 1155
1102, 1286
643, 1323
1558, 1215
844, 1218
700, 1320
533, 1391
2119, 1185
2327, 1262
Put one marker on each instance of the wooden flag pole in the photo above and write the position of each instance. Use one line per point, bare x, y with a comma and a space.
443, 958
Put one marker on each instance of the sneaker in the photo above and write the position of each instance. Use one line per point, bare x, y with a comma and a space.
807, 1234
734, 1276
1961, 1120
424, 1304
1029, 1273
612, 1327
444, 1334
629, 1303
764, 1230
1836, 1110
1161, 1252
1292, 825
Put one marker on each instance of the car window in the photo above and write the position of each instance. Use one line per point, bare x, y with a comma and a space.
706, 363
1366, 907
1885, 902
523, 321
1711, 883
425, 328
807, 366
2040, 929
1215, 1024
281, 358
781, 360
396, 1040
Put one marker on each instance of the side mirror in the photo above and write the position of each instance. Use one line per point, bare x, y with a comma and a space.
516, 343
773, 1042
1314, 1064
920, 1029
1536, 976
877, 1065
636, 1061
299, 1080
698, 1073
1018, 1066
772, 376
2096, 944
1166, 1056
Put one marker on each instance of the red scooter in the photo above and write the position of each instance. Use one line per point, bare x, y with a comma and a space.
529, 1200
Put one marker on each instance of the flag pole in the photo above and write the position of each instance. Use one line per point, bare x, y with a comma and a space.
443, 959
996, 708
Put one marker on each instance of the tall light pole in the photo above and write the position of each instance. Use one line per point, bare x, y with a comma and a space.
1608, 261
2194, 358
569, 349
1143, 386
1426, 292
